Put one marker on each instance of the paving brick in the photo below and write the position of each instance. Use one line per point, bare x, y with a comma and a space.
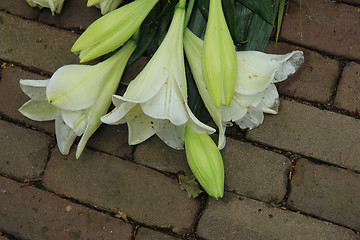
148, 234
255, 172
315, 79
12, 97
347, 95
29, 213
113, 184
327, 192
156, 154
323, 25
30, 161
325, 135
242, 218
74, 14
112, 139
35, 45
20, 8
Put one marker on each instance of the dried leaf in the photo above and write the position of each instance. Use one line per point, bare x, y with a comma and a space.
189, 184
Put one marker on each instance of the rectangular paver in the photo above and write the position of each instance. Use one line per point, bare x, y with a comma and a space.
29, 213
20, 8
347, 95
35, 45
323, 25
113, 184
328, 192
23, 152
148, 234
239, 218
325, 135
255, 172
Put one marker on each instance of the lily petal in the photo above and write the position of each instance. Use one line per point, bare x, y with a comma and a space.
78, 84
65, 136
38, 110
76, 120
170, 134
118, 115
252, 119
139, 126
35, 89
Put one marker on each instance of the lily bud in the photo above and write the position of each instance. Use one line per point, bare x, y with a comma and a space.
112, 30
219, 64
205, 162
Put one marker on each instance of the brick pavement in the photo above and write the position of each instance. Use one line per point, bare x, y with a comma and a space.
297, 176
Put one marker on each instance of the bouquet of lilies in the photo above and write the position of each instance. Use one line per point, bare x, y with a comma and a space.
233, 83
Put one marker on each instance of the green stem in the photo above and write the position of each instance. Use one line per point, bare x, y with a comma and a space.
188, 12
182, 3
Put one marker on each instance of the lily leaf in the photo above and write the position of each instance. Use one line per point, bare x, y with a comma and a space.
148, 31
261, 7
195, 101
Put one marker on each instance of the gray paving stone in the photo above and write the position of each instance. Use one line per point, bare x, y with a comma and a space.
314, 80
347, 95
156, 154
328, 192
242, 218
23, 152
325, 135
35, 45
113, 184
112, 139
12, 97
20, 8
29, 213
74, 14
148, 234
255, 172
323, 25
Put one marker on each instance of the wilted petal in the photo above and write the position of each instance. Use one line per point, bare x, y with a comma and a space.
290, 63
38, 110
252, 119
35, 89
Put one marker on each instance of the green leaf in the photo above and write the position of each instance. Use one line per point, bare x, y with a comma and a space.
148, 31
230, 17
252, 30
195, 101
261, 7
189, 184
280, 17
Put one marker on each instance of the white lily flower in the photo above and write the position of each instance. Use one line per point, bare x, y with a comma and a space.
105, 5
155, 102
255, 92
76, 96
54, 5
112, 30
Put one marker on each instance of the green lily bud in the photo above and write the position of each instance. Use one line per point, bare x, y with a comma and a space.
219, 63
205, 162
112, 30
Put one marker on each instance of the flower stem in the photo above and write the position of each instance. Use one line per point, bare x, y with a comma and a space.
182, 3
189, 11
